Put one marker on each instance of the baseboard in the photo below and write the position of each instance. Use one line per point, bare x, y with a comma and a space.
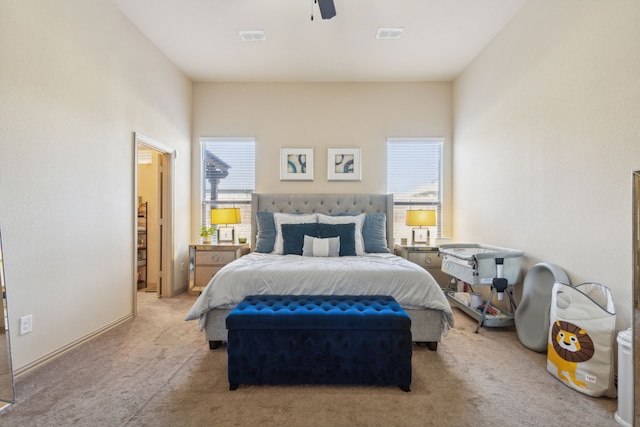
51, 356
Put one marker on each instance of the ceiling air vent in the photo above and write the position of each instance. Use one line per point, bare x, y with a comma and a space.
389, 33
252, 36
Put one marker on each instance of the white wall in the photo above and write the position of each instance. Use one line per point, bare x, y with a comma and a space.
547, 136
321, 115
77, 79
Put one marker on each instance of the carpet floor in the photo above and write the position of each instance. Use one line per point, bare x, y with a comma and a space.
157, 370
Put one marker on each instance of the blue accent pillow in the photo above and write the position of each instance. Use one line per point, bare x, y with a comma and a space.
374, 232
266, 237
293, 236
346, 232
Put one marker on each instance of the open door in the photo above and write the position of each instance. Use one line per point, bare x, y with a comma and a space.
160, 214
150, 210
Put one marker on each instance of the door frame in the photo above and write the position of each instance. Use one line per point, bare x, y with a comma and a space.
636, 239
635, 290
165, 288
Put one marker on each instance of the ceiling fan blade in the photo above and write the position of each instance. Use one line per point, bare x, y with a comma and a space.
327, 9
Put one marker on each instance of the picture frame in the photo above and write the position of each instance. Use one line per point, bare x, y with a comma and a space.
419, 235
296, 164
343, 164
226, 234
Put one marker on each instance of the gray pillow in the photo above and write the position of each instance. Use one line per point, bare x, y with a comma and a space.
374, 232
314, 246
266, 236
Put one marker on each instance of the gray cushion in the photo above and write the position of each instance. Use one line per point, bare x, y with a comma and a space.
314, 246
374, 232
266, 236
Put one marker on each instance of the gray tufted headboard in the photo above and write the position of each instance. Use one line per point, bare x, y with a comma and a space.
329, 204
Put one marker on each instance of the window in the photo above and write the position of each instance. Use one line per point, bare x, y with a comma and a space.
228, 178
414, 177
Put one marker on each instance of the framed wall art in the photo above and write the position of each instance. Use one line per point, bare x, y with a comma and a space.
343, 164
296, 164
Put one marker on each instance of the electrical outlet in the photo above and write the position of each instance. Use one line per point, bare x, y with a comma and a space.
26, 324
182, 267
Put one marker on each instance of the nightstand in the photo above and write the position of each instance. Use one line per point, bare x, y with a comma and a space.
427, 257
206, 260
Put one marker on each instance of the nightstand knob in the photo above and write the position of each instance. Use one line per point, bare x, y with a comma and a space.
215, 258
428, 260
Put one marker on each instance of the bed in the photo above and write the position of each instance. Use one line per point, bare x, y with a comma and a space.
367, 267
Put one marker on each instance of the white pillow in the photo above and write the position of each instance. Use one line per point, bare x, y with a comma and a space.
358, 220
315, 246
284, 218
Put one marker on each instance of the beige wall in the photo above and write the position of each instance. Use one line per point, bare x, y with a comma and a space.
77, 79
547, 136
321, 115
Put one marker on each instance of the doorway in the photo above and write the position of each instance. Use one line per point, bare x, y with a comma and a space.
636, 239
153, 211
149, 262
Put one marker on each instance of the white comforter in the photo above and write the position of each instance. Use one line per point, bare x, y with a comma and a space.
372, 274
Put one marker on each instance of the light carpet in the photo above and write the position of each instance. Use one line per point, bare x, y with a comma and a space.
157, 370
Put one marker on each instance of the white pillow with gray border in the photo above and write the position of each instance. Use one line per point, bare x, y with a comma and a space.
315, 246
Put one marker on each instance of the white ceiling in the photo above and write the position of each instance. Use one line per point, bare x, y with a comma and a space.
441, 37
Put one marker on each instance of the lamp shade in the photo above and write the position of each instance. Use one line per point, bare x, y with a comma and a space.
225, 216
421, 217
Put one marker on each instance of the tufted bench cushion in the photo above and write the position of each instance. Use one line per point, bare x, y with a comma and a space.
318, 312
278, 339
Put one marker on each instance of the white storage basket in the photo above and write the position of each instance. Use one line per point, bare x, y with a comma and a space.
581, 338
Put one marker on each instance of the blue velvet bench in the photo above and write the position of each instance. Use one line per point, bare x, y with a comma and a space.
302, 339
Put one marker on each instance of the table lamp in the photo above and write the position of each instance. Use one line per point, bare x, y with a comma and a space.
223, 217
420, 218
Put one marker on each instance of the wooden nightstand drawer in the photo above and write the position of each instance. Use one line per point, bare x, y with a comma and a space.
204, 274
206, 260
425, 259
214, 257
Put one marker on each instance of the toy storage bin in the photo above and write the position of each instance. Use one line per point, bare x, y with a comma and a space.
581, 338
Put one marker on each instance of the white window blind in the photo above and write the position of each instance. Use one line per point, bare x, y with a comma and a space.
228, 178
414, 177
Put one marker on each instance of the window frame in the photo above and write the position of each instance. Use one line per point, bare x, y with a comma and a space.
244, 228
401, 206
